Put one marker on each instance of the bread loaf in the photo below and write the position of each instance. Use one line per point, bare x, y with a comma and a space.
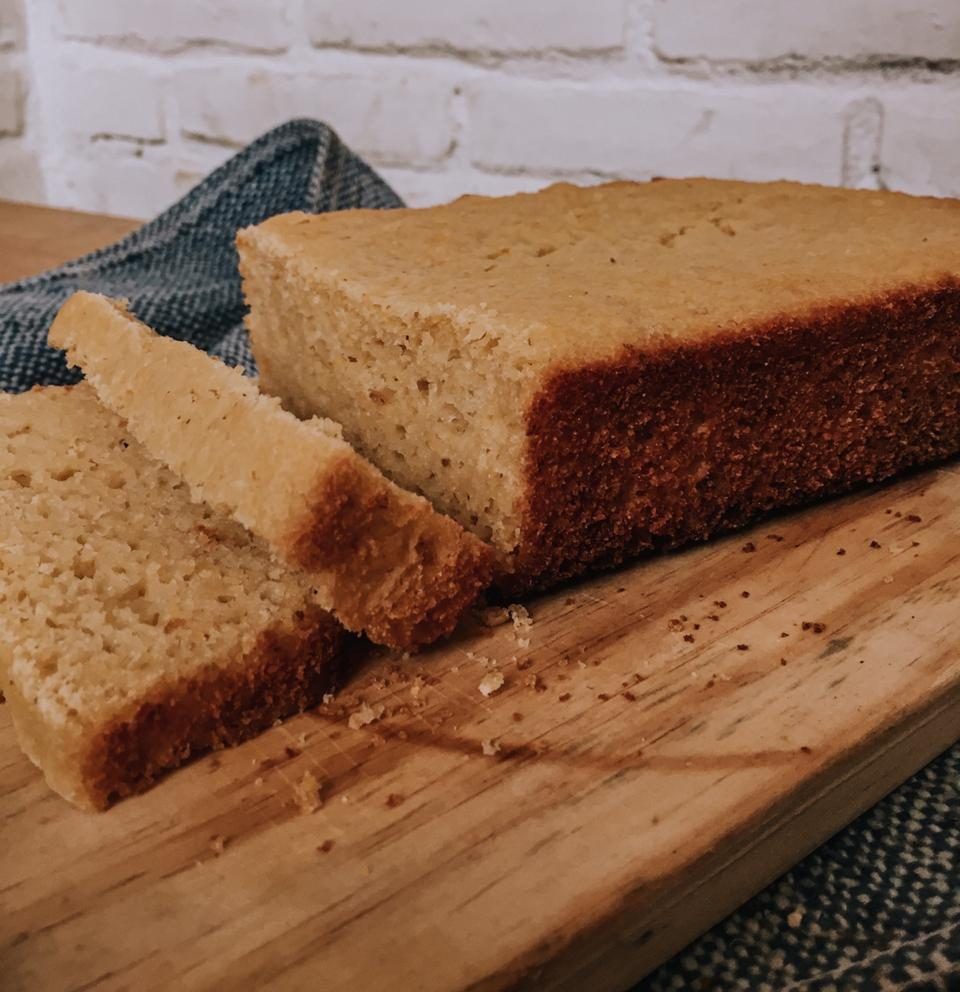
136, 627
579, 375
381, 558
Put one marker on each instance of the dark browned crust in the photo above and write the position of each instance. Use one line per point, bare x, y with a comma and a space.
402, 573
288, 671
657, 449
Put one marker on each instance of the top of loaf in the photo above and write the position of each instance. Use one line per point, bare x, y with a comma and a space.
570, 273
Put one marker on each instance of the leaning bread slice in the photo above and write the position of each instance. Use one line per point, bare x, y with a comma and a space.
136, 626
383, 560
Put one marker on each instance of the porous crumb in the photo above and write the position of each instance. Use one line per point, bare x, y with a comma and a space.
675, 625
522, 624
493, 616
491, 682
306, 793
489, 746
366, 714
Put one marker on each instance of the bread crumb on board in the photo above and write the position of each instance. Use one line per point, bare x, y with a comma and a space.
307, 793
365, 715
493, 616
491, 682
217, 844
489, 746
522, 624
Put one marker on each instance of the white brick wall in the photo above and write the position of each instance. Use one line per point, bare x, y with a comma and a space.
121, 105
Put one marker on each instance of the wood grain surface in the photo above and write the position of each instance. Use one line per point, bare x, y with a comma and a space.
673, 736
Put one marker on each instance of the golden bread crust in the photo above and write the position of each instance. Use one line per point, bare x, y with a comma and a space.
658, 449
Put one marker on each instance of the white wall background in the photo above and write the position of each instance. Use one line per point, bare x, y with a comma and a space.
121, 105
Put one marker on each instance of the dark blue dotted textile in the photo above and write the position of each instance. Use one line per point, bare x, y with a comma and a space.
179, 272
879, 904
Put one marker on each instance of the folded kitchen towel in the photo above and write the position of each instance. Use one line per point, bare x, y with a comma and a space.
875, 908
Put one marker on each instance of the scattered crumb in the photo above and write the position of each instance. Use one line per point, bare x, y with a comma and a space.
563, 697
517, 717
629, 696
783, 661
696, 626
494, 616
581, 664
603, 696
689, 638
720, 604
888, 579
914, 544
675, 625
277, 723
491, 682
745, 594
806, 750
749, 547
535, 682
817, 628
217, 844
344, 799
774, 537
713, 617
783, 633
258, 780
914, 518
841, 551
326, 847
795, 918
327, 698
522, 624
366, 714
394, 800
306, 793
302, 739
523, 664
291, 752
743, 647
489, 746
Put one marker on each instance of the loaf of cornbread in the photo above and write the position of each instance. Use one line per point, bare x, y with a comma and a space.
579, 375
136, 627
383, 561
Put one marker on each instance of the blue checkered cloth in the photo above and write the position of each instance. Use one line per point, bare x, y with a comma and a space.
881, 900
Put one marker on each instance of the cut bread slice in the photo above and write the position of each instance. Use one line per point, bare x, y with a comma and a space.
382, 559
136, 626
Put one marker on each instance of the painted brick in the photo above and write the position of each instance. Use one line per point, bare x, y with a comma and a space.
921, 138
423, 189
11, 101
779, 131
170, 25
388, 115
121, 100
11, 24
469, 25
21, 177
754, 30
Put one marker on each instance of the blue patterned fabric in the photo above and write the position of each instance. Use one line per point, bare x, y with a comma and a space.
179, 272
880, 902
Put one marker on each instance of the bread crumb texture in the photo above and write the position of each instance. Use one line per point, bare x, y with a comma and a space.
381, 558
136, 627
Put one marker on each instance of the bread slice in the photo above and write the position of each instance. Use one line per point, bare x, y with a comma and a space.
578, 375
383, 560
137, 628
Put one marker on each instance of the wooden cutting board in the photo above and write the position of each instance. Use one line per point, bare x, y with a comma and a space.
672, 737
